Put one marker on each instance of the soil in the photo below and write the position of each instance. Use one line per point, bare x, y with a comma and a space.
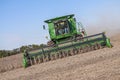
11, 62
102, 64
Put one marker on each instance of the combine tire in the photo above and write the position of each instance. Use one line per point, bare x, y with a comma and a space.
50, 43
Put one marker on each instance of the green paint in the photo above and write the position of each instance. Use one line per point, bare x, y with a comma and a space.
24, 62
108, 44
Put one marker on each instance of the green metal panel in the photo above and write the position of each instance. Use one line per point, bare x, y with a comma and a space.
108, 44
72, 24
59, 18
51, 30
25, 62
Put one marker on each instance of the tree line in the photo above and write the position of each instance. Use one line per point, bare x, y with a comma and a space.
5, 53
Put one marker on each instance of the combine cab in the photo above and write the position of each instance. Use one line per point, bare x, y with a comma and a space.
64, 28
67, 38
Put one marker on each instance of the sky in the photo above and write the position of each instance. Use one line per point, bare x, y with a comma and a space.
21, 21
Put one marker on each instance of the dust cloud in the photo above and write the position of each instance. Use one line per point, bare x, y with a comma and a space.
107, 22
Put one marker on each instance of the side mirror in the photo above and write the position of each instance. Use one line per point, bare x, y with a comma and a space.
44, 27
75, 19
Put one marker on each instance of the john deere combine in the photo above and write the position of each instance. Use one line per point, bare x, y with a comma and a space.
67, 38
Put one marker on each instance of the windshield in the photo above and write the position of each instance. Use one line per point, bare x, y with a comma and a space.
61, 27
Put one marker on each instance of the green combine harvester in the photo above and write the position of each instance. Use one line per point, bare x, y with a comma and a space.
67, 38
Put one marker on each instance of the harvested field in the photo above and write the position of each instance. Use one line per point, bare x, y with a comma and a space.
103, 64
11, 62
